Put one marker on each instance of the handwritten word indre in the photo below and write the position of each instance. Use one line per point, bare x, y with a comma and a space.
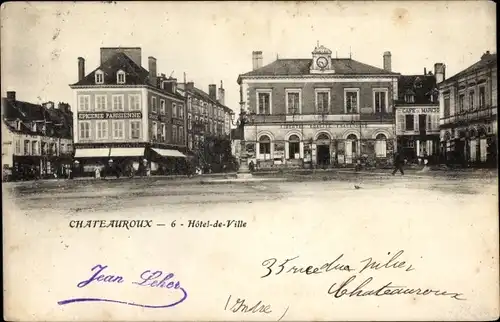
148, 278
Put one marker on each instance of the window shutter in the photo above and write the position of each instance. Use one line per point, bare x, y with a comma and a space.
415, 122
429, 118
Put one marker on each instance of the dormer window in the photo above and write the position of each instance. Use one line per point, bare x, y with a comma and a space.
410, 98
33, 127
120, 77
99, 77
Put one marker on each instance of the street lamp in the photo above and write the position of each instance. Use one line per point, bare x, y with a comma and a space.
243, 119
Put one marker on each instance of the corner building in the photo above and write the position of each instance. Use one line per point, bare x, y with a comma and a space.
127, 116
319, 111
468, 107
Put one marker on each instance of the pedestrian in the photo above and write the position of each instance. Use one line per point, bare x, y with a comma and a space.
398, 163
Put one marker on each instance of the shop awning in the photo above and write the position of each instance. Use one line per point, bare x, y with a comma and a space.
92, 153
169, 153
127, 152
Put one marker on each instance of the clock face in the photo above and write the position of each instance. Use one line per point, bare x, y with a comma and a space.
322, 62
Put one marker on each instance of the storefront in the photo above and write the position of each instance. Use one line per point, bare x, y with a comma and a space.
319, 145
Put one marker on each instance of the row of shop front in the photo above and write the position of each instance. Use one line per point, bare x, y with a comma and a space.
129, 160
470, 146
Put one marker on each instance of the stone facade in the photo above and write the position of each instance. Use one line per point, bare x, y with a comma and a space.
319, 112
468, 109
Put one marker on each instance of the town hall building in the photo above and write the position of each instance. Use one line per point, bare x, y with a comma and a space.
318, 111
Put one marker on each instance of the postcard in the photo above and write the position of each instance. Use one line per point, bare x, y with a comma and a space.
250, 161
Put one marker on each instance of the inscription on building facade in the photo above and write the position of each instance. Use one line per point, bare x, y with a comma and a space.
419, 110
109, 115
321, 126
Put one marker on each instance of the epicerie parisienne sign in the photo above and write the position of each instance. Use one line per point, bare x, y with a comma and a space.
109, 115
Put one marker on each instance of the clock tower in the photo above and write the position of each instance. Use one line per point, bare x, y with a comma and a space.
321, 60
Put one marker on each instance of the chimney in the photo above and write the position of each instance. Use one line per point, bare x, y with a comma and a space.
152, 70
81, 68
222, 94
439, 71
133, 53
257, 59
425, 71
189, 86
170, 85
387, 61
212, 91
486, 55
11, 95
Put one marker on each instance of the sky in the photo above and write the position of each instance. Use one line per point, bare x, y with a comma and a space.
213, 41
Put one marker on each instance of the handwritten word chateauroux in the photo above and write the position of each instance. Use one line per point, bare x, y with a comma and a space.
111, 224
148, 278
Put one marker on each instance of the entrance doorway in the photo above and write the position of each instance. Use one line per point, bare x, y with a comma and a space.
323, 155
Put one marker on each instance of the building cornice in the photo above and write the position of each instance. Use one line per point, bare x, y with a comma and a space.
158, 91
313, 76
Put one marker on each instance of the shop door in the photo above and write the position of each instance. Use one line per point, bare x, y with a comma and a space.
323, 155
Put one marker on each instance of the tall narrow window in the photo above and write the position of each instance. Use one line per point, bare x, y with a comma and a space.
134, 102
135, 129
102, 129
409, 122
461, 102
153, 104
162, 106
446, 106
174, 110
84, 129
471, 100
174, 133
380, 101
163, 130
99, 77
293, 102
181, 134
351, 101
117, 102
482, 97
100, 102
84, 103
322, 102
264, 103
154, 130
181, 111
118, 129
120, 77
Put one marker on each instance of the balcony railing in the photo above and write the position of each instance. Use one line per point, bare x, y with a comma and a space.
465, 117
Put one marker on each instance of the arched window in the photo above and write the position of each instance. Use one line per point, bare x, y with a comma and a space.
265, 146
293, 147
99, 77
120, 77
323, 136
381, 146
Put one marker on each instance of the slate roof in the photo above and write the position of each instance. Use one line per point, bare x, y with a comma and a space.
301, 67
421, 86
201, 94
486, 60
135, 74
28, 113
